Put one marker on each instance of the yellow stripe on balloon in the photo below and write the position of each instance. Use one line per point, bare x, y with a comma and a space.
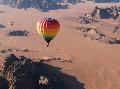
47, 31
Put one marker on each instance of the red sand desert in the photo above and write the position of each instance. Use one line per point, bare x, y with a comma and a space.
95, 64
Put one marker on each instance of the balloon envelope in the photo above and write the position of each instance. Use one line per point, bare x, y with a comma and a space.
48, 28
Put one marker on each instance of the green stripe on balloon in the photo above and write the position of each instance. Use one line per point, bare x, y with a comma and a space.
48, 39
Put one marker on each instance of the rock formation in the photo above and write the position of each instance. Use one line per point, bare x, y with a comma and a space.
23, 73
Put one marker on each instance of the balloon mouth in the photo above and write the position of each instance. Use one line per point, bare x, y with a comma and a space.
48, 45
48, 39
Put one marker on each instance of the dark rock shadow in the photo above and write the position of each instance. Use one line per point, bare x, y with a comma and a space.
18, 33
116, 42
23, 73
71, 82
104, 14
2, 26
3, 83
65, 81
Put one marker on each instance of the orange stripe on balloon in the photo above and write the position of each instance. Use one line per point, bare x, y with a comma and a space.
48, 31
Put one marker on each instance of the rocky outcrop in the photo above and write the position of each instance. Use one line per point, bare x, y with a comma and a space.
94, 34
106, 13
97, 14
23, 73
37, 4
85, 19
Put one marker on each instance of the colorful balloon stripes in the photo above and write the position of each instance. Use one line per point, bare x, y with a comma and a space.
48, 28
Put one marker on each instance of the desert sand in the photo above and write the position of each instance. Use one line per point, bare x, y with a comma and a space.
94, 64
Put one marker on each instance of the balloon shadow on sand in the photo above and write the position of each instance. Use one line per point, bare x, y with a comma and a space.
23, 73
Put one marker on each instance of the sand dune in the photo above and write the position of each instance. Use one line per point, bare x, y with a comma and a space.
95, 64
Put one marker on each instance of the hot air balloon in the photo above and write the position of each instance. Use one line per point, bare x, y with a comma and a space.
48, 28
